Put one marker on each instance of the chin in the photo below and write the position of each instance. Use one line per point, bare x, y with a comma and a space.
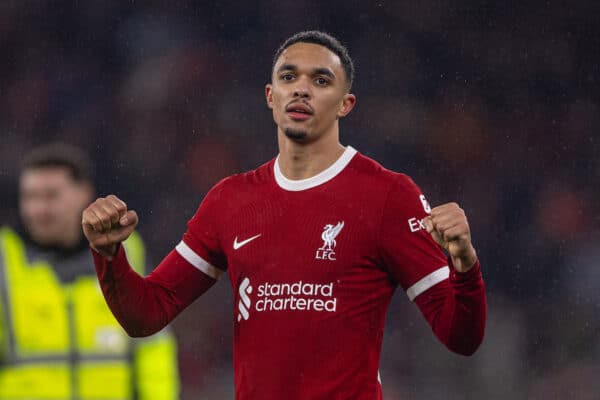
297, 135
44, 237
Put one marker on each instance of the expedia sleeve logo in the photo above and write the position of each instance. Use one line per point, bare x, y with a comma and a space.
425, 203
416, 224
297, 296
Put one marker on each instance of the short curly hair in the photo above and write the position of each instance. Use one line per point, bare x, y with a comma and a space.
325, 40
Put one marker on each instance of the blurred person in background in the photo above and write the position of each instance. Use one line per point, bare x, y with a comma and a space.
315, 242
58, 339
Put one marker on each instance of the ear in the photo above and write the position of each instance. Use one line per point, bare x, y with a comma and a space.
348, 102
269, 95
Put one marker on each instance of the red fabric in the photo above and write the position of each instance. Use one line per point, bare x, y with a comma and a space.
145, 306
456, 310
308, 313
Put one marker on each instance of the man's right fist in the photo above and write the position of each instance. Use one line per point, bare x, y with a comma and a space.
106, 223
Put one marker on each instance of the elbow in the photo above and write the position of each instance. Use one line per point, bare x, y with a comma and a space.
139, 332
465, 345
467, 335
138, 329
466, 350
139, 324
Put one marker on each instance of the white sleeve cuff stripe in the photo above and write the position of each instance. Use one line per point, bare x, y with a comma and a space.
190, 256
430, 280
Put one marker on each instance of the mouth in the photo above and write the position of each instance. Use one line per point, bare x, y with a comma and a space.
299, 111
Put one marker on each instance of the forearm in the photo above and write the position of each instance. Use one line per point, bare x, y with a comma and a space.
144, 306
456, 310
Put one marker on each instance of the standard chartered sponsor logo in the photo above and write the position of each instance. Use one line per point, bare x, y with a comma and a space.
244, 305
297, 296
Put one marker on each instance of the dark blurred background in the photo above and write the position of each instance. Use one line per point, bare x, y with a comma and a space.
494, 105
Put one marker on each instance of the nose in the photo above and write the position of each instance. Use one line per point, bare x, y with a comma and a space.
302, 93
301, 89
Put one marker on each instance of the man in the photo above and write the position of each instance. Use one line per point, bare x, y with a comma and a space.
58, 339
315, 243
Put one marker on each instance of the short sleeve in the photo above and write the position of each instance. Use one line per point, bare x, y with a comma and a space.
201, 245
410, 254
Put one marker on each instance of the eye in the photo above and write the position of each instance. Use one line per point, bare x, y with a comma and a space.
321, 81
287, 77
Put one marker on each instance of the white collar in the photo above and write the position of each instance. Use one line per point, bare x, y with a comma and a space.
320, 178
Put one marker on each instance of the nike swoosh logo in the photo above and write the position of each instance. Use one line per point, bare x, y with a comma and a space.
237, 245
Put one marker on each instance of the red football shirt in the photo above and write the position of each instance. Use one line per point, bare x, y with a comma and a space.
313, 266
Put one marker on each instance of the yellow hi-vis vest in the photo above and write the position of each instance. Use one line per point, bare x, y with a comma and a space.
62, 342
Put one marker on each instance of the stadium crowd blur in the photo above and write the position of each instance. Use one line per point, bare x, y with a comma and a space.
494, 105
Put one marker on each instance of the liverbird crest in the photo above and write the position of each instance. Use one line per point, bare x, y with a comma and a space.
329, 234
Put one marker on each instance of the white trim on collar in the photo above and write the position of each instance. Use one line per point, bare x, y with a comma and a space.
320, 178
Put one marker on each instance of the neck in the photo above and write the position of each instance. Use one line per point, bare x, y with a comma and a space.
304, 160
69, 241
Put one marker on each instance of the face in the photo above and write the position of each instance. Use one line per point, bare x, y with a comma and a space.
308, 93
51, 203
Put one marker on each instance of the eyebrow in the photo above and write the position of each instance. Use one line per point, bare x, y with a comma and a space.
316, 71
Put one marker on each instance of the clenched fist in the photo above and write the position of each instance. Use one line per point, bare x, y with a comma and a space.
106, 223
448, 226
